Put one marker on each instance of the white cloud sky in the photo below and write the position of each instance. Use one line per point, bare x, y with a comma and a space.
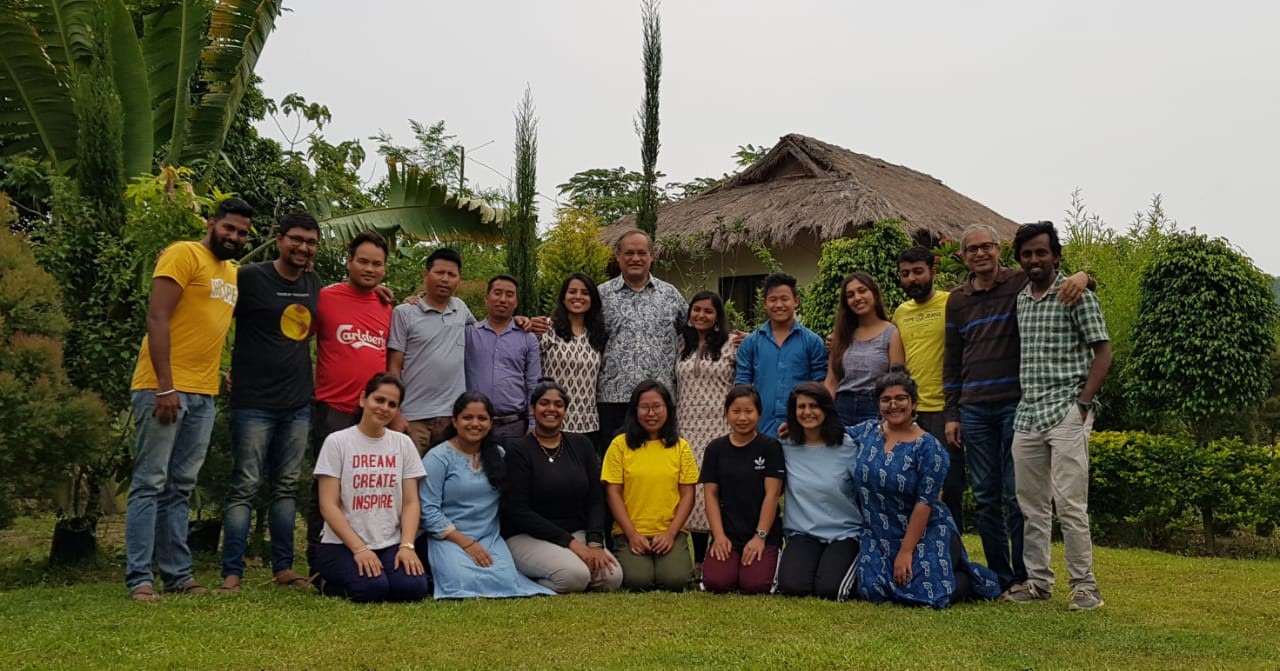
1013, 104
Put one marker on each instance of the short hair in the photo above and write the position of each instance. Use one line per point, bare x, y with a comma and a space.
743, 391
898, 377
1027, 232
916, 254
294, 220
501, 277
832, 430
370, 237
617, 244
979, 228
233, 206
775, 280
546, 384
445, 254
636, 435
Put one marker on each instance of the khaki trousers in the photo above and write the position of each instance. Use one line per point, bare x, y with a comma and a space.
427, 433
1051, 470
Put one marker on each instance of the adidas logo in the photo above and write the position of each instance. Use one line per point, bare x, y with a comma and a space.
759, 463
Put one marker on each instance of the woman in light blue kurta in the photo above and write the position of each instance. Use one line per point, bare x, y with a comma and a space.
910, 551
465, 476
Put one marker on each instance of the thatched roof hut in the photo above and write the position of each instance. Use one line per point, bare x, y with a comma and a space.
806, 186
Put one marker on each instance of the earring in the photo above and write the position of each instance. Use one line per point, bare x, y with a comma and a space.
715, 329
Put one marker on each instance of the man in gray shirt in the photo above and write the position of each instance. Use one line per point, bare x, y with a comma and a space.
426, 349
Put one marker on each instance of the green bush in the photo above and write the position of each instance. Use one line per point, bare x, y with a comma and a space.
1147, 488
572, 245
49, 430
874, 250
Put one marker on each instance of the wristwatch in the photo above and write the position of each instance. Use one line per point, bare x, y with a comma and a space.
407, 546
762, 533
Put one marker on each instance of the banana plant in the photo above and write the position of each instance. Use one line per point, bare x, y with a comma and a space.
49, 43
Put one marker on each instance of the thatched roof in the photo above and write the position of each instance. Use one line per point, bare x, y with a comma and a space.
805, 185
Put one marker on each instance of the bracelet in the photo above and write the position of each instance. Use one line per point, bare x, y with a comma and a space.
363, 549
166, 393
468, 545
407, 546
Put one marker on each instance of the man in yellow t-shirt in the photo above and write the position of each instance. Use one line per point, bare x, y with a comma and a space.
922, 323
193, 294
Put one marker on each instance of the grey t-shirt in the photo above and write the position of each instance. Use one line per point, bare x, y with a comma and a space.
433, 344
865, 361
371, 474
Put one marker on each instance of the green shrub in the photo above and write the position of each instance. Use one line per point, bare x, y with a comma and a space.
874, 250
572, 245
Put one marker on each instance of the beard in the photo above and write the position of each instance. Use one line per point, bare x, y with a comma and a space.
916, 291
225, 253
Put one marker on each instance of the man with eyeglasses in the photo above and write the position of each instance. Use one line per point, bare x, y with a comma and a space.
981, 390
271, 390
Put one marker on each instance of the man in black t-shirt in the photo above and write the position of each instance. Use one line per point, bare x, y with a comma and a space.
271, 389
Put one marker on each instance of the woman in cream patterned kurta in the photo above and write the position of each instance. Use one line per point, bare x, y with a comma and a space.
704, 375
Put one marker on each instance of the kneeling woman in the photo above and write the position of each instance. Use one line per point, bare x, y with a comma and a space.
911, 552
465, 477
649, 474
742, 475
368, 495
553, 508
822, 522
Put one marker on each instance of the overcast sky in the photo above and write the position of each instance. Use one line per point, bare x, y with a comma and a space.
1013, 104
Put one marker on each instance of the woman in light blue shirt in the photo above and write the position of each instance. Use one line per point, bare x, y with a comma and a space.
821, 522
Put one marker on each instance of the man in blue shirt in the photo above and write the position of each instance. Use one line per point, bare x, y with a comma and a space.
503, 361
781, 354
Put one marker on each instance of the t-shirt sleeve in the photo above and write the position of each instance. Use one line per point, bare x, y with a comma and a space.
932, 469
688, 465
775, 466
399, 331
413, 468
330, 460
179, 263
711, 463
1088, 316
611, 471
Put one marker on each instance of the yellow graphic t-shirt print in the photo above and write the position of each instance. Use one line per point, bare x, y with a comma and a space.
295, 322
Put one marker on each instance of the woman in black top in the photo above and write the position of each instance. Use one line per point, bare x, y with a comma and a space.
553, 508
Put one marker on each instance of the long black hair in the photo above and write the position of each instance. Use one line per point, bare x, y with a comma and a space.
832, 430
719, 333
593, 320
846, 321
491, 461
372, 385
637, 435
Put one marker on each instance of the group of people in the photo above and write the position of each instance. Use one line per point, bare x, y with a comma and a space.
630, 440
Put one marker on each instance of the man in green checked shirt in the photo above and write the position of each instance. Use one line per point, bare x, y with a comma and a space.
1065, 356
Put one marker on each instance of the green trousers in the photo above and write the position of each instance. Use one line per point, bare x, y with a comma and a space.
670, 572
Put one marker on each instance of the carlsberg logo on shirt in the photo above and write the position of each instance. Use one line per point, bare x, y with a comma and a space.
348, 334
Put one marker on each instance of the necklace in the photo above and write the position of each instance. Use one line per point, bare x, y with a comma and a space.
551, 454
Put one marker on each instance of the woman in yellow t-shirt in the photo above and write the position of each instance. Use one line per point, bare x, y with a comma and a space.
649, 474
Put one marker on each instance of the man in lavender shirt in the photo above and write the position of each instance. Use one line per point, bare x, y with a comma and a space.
503, 361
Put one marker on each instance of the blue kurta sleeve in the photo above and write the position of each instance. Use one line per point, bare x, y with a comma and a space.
932, 468
431, 493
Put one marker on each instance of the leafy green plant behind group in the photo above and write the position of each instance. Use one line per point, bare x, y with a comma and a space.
874, 250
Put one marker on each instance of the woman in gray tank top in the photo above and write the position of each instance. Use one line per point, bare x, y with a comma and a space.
865, 344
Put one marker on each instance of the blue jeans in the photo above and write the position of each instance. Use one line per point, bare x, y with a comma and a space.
987, 431
265, 445
168, 458
856, 407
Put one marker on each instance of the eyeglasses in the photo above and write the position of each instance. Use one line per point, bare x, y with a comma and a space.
987, 247
302, 242
650, 409
900, 399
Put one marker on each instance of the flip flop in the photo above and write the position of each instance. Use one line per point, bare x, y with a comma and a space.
291, 578
145, 594
189, 587
224, 588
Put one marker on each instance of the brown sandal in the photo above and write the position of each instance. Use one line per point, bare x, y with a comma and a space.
189, 587
145, 593
291, 578
228, 587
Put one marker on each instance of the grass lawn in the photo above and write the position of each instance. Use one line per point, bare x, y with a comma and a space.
1163, 611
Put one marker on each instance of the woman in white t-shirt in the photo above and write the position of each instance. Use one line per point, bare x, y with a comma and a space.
368, 495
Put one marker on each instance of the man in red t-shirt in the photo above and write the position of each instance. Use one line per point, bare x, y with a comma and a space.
352, 325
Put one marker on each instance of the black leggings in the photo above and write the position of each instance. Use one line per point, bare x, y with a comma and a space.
699, 540
813, 567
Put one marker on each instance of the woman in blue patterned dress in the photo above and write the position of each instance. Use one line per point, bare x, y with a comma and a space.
465, 478
910, 551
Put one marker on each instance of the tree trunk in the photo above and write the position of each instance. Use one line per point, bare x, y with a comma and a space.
1206, 516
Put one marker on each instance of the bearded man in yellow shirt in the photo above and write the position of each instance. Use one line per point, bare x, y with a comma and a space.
193, 294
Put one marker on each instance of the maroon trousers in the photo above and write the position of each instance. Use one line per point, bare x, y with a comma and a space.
730, 575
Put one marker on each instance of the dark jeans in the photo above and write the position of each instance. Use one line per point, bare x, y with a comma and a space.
338, 570
324, 421
987, 430
612, 416
508, 433
953, 488
856, 407
813, 567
